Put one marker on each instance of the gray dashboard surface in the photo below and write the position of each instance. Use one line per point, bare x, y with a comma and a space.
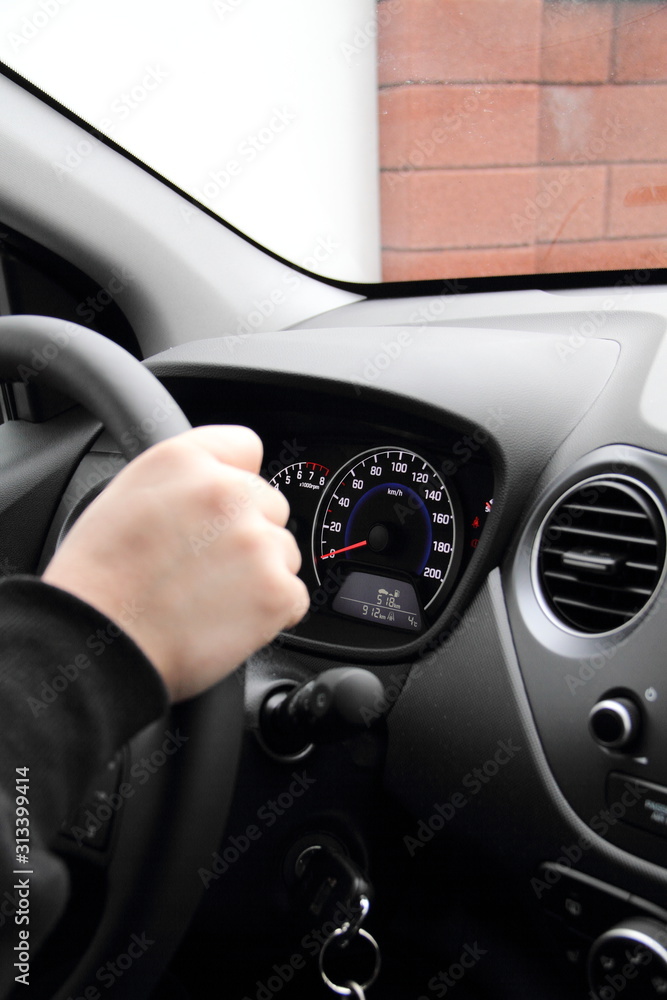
511, 385
467, 701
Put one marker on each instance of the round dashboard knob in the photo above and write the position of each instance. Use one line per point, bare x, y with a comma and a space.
614, 723
630, 960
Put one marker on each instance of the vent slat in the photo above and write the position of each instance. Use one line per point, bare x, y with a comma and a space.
582, 605
614, 511
620, 538
607, 535
640, 567
641, 591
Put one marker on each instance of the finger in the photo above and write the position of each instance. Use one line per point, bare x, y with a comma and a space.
232, 490
272, 503
290, 550
229, 443
251, 491
299, 604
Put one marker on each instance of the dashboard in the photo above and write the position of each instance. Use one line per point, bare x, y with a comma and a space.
425, 516
393, 498
466, 479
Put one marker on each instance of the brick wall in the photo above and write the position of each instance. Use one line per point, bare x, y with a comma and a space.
521, 136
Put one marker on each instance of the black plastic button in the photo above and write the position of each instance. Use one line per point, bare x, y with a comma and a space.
645, 804
582, 903
91, 823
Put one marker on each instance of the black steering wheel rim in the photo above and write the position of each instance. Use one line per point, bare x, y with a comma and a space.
162, 837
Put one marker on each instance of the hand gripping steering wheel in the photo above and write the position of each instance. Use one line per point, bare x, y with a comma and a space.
164, 834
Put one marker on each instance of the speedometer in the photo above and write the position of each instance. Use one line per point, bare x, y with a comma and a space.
388, 514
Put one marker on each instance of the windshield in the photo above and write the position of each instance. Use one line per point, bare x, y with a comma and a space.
399, 140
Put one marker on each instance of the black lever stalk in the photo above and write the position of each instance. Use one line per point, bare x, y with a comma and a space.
336, 705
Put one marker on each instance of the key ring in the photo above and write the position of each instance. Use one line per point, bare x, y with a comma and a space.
351, 927
357, 990
346, 991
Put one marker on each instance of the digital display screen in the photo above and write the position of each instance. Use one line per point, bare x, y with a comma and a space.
379, 599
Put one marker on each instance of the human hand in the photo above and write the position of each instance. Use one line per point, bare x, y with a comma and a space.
191, 539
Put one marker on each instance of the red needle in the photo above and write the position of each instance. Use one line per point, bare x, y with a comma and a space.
357, 545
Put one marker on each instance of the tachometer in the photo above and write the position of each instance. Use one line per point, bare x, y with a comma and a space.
300, 476
388, 514
303, 484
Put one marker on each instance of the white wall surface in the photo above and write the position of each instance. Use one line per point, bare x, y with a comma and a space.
264, 110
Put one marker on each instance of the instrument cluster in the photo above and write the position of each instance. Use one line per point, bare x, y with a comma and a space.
384, 531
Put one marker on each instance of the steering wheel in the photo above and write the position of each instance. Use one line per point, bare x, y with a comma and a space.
172, 826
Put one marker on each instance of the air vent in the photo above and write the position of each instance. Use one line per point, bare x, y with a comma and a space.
600, 554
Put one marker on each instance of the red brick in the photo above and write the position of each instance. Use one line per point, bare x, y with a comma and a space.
641, 42
604, 123
451, 125
419, 265
435, 209
602, 255
597, 255
576, 41
450, 40
638, 200
571, 202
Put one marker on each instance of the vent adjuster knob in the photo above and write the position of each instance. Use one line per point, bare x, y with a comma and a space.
614, 723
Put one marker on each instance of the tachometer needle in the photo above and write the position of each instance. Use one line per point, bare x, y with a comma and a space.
357, 545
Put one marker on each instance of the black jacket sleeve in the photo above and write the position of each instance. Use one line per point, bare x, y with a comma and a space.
73, 689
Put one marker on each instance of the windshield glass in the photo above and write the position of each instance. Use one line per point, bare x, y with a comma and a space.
399, 140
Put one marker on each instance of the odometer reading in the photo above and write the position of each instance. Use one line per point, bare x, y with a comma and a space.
379, 599
390, 511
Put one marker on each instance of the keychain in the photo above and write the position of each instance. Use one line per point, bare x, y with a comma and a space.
329, 882
341, 938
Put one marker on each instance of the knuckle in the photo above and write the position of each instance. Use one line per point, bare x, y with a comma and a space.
224, 490
280, 506
148, 462
210, 493
251, 539
175, 449
300, 603
274, 592
296, 560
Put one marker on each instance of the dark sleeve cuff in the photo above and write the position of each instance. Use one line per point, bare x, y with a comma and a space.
73, 688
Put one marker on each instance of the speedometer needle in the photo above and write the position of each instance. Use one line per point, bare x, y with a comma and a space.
357, 545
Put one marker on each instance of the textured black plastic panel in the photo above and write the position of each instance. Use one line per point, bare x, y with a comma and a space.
36, 462
460, 707
567, 674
